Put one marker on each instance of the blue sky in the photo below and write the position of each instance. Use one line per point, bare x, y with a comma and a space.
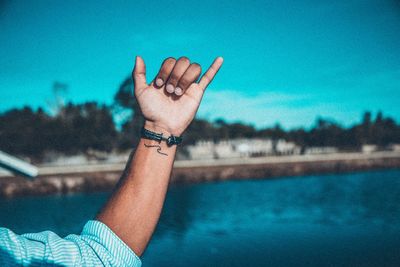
285, 61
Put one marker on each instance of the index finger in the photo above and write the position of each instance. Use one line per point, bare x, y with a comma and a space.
210, 73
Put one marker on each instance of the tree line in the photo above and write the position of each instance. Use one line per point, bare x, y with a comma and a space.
80, 128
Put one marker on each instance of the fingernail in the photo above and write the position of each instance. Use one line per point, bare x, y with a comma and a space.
170, 88
159, 82
178, 91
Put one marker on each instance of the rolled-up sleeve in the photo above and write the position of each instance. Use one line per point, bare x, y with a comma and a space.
97, 245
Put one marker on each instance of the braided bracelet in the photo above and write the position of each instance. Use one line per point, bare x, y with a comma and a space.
171, 140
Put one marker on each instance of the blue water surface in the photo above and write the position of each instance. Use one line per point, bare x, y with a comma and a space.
322, 220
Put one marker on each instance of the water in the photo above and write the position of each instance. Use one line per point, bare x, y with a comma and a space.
331, 220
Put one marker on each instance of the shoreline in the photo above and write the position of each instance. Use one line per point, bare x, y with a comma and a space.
103, 177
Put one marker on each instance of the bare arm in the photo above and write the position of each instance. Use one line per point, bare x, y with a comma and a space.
168, 104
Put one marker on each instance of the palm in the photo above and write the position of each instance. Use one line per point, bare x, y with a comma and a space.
172, 113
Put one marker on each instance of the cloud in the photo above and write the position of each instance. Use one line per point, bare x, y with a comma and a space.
262, 109
268, 108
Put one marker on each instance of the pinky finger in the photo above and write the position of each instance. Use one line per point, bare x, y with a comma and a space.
210, 73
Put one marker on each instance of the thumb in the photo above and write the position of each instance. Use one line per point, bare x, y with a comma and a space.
139, 74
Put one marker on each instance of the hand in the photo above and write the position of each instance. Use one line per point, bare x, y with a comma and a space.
170, 102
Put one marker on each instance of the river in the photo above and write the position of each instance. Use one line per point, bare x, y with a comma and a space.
321, 220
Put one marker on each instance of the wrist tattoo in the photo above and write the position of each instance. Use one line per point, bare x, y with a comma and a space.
158, 149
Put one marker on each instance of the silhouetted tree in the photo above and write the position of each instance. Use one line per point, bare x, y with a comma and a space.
274, 133
77, 128
20, 131
84, 127
200, 130
124, 101
384, 131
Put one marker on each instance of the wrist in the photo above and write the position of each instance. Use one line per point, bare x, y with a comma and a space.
160, 128
155, 132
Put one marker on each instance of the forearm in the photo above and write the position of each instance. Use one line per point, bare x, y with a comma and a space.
168, 107
135, 207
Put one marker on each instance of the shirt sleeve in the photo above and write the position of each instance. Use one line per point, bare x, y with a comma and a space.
97, 245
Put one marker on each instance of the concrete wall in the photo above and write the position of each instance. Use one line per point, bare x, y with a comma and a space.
103, 178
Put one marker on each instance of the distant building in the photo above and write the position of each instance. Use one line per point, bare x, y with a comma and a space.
369, 148
253, 147
225, 149
394, 147
241, 148
210, 150
315, 150
286, 148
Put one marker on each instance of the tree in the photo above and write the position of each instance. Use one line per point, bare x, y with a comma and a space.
125, 103
76, 129
384, 131
20, 131
84, 127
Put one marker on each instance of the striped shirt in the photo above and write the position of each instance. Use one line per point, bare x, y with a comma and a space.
97, 245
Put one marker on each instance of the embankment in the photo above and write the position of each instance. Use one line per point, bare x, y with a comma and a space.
103, 177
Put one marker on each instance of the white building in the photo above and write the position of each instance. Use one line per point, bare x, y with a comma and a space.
315, 150
202, 150
369, 148
286, 148
241, 148
394, 147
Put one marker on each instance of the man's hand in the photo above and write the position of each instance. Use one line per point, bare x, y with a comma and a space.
170, 102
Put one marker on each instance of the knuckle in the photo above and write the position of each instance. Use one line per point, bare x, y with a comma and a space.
183, 83
169, 60
135, 73
207, 78
184, 60
163, 75
167, 67
197, 67
168, 63
173, 79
